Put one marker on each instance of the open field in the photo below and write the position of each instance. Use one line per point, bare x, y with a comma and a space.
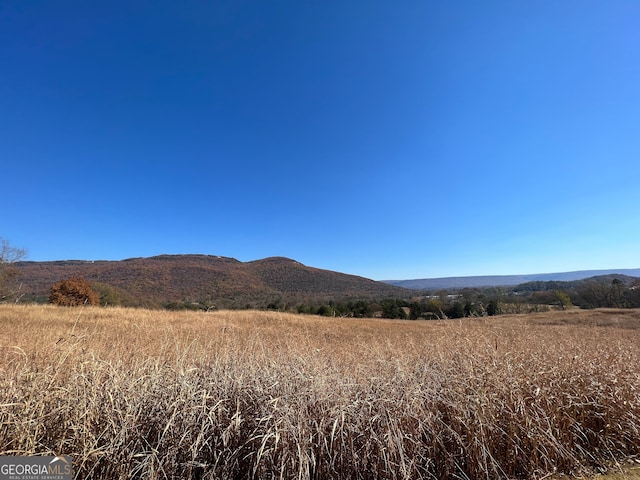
155, 394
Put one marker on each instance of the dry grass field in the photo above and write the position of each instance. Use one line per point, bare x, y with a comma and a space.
154, 394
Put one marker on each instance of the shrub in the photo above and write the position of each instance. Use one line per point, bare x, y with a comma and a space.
73, 292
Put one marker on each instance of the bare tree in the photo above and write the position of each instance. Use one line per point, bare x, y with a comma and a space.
8, 273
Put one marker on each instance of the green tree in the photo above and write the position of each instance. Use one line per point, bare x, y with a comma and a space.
361, 308
470, 309
415, 311
109, 296
632, 295
493, 308
455, 310
616, 295
325, 311
433, 309
394, 308
564, 299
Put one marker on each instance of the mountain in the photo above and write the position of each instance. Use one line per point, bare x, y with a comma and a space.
225, 282
449, 283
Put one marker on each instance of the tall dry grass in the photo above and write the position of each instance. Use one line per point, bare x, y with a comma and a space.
151, 394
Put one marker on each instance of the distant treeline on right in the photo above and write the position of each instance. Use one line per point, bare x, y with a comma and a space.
606, 291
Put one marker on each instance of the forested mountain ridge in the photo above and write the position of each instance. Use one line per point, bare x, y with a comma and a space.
206, 279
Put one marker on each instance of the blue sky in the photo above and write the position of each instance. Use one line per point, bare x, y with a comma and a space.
391, 140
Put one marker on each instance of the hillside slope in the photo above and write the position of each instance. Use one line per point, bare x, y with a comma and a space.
223, 281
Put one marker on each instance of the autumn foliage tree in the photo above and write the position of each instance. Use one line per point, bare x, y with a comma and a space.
73, 292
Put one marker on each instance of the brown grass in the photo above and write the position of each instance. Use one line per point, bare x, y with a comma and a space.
150, 394
621, 473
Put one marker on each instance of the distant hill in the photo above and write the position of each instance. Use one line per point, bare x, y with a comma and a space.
225, 282
450, 283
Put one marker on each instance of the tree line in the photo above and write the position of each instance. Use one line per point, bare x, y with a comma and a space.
468, 302
608, 291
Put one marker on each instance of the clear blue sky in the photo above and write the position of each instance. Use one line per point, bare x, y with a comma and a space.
392, 140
